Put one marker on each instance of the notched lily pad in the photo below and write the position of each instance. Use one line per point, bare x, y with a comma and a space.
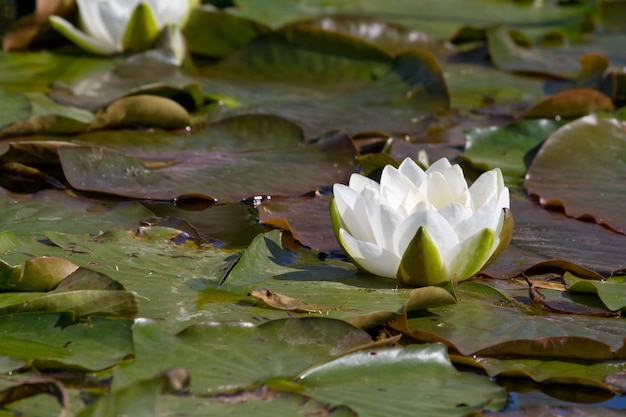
580, 167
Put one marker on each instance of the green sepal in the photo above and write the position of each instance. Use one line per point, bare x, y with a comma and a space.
80, 38
142, 29
421, 263
473, 255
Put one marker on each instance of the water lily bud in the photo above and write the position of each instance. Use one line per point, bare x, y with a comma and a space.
422, 227
113, 26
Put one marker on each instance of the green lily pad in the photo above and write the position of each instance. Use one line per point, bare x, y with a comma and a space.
487, 322
49, 117
550, 372
358, 298
237, 355
13, 107
51, 210
140, 398
298, 72
36, 71
509, 56
582, 175
509, 148
306, 75
52, 340
392, 37
263, 402
140, 263
439, 19
217, 34
411, 378
612, 291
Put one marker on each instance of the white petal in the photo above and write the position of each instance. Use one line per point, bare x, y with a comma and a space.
351, 208
485, 189
504, 200
383, 219
440, 230
455, 213
412, 171
441, 165
168, 11
394, 186
358, 182
437, 190
458, 185
370, 257
488, 216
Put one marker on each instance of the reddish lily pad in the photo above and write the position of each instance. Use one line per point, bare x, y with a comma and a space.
542, 235
581, 168
571, 104
307, 219
223, 174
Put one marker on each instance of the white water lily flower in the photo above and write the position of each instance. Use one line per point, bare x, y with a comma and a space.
113, 26
422, 227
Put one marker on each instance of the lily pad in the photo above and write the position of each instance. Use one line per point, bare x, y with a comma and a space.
226, 175
571, 104
140, 263
50, 210
509, 56
237, 355
487, 322
217, 34
550, 372
612, 291
579, 168
51, 340
510, 148
439, 19
298, 72
306, 218
14, 107
544, 235
411, 378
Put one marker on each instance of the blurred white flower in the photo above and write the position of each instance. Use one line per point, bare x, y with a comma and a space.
113, 26
422, 227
